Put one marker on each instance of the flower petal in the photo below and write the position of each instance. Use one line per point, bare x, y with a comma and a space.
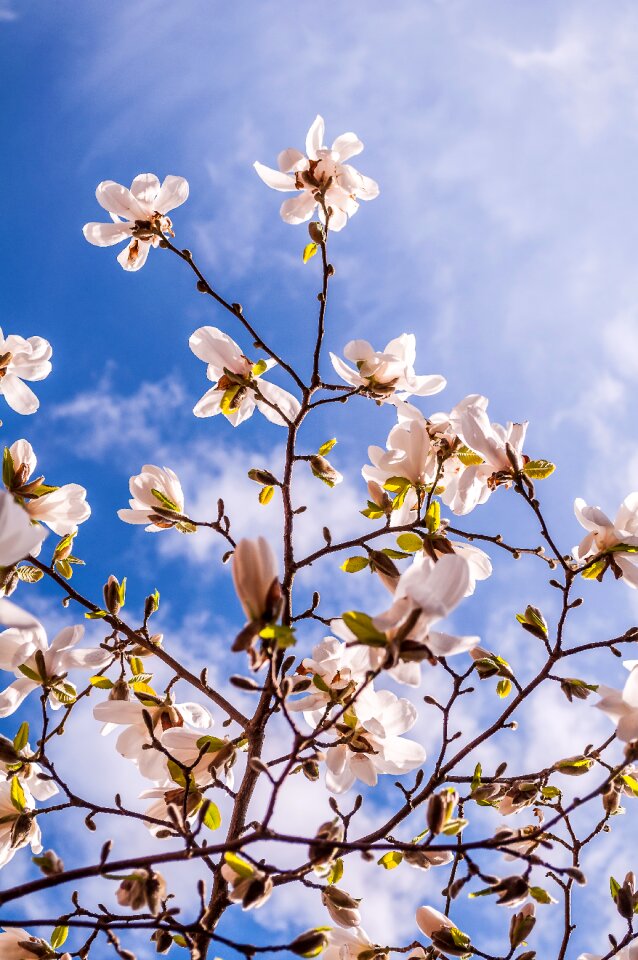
274, 178
174, 193
314, 137
106, 234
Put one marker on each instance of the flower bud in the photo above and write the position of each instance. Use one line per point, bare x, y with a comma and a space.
424, 859
21, 829
343, 908
120, 690
309, 944
323, 470
511, 891
49, 863
144, 888
329, 833
440, 809
521, 925
114, 594
8, 753
163, 941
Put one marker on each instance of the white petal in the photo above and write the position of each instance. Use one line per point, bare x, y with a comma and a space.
298, 209
118, 200
274, 178
291, 160
347, 145
20, 398
134, 256
145, 188
285, 401
106, 234
315, 137
173, 194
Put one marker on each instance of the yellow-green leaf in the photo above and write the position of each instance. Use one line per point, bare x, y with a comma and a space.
468, 458
266, 495
309, 251
58, 937
390, 860
410, 542
103, 683
239, 865
538, 469
354, 564
18, 798
260, 367
212, 817
327, 446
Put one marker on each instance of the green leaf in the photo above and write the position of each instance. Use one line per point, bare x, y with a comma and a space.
594, 570
227, 402
372, 511
354, 564
266, 495
433, 516
18, 798
31, 674
309, 251
550, 792
395, 554
541, 895
336, 871
96, 614
327, 447
212, 817
391, 859
410, 542
468, 458
284, 636
476, 777
538, 469
165, 501
629, 782
58, 937
504, 687
22, 737
102, 683
397, 484
29, 574
240, 866
614, 887
8, 470
259, 368
137, 665
361, 625
64, 568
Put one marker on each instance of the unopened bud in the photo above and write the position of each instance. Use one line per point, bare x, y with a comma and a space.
49, 863
120, 690
309, 944
343, 908
521, 925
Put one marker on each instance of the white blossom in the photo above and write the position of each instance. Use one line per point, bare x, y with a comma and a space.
238, 384
17, 828
387, 375
18, 535
347, 944
607, 537
62, 508
154, 489
622, 705
323, 171
133, 738
138, 215
21, 360
256, 579
372, 729
335, 671
24, 651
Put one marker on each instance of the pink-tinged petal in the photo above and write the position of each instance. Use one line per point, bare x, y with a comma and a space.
591, 518
106, 234
134, 516
66, 638
367, 188
118, 711
18, 536
447, 645
401, 755
14, 695
285, 401
134, 256
438, 591
346, 146
629, 569
174, 193
403, 347
627, 516
426, 386
210, 404
19, 397
338, 219
315, 137
216, 348
145, 188
274, 178
291, 161
628, 727
356, 350
630, 690
364, 769
298, 209
196, 715
345, 372
118, 200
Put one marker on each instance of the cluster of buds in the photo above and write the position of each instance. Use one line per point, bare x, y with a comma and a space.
247, 884
142, 889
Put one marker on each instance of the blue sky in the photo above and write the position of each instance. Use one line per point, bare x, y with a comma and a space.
504, 139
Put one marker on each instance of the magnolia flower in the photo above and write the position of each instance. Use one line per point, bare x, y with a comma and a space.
622, 705
388, 375
322, 173
17, 827
347, 944
24, 650
21, 765
20, 360
371, 730
18, 536
247, 885
156, 493
343, 909
411, 457
608, 538
207, 757
238, 385
131, 742
60, 508
424, 859
332, 673
12, 947
138, 214
424, 594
